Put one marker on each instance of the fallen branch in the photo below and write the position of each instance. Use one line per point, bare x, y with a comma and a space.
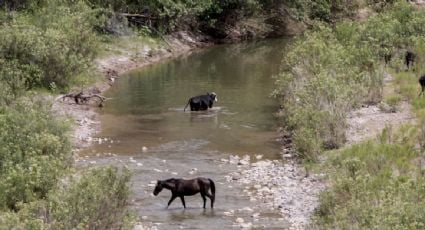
81, 98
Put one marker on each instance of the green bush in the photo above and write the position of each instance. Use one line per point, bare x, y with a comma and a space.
323, 80
51, 45
374, 186
34, 153
93, 199
96, 199
328, 72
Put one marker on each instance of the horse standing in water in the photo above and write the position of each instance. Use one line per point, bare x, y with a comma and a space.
181, 188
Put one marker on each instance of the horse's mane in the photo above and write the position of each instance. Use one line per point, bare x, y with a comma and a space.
171, 180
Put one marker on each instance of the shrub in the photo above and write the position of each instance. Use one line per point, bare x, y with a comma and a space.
34, 153
374, 186
93, 199
51, 45
96, 199
331, 71
323, 80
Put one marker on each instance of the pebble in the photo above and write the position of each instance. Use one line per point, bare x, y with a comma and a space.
138, 227
255, 215
239, 220
282, 187
227, 213
246, 225
144, 149
246, 209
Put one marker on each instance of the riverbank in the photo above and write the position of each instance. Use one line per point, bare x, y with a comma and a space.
290, 188
84, 117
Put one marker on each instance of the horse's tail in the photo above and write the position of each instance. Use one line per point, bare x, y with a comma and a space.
212, 191
184, 110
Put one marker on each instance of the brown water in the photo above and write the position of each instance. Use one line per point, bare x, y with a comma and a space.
147, 111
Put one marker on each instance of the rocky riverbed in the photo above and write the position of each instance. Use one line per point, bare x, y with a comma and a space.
279, 185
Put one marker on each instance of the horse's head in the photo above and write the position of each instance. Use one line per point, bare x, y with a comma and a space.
213, 96
158, 188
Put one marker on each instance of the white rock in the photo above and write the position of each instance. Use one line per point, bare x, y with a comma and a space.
227, 213
243, 162
139, 164
144, 149
246, 225
239, 220
138, 227
246, 209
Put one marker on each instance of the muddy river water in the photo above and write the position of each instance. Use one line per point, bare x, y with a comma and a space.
144, 127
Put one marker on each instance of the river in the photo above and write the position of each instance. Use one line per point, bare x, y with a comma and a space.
144, 127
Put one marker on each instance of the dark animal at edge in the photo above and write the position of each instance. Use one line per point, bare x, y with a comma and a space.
387, 58
409, 59
422, 83
182, 187
201, 102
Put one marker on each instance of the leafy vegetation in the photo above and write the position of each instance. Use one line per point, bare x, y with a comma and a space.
375, 185
49, 44
330, 71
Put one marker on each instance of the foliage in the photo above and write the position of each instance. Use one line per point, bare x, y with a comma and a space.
322, 81
375, 186
51, 45
96, 199
34, 153
330, 71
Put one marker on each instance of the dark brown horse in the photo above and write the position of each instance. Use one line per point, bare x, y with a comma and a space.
181, 188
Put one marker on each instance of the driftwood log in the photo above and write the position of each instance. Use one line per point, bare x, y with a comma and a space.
81, 98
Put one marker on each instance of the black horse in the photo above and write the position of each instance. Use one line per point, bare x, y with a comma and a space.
422, 83
181, 188
201, 102
409, 59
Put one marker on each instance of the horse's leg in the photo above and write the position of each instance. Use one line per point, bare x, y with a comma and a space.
182, 198
211, 198
171, 199
203, 198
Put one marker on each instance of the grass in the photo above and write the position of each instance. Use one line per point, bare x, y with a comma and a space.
379, 184
111, 45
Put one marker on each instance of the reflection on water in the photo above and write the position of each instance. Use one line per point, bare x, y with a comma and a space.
147, 105
147, 110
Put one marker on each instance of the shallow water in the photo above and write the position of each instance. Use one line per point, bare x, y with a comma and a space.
147, 129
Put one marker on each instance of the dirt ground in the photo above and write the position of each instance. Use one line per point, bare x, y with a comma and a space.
367, 122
